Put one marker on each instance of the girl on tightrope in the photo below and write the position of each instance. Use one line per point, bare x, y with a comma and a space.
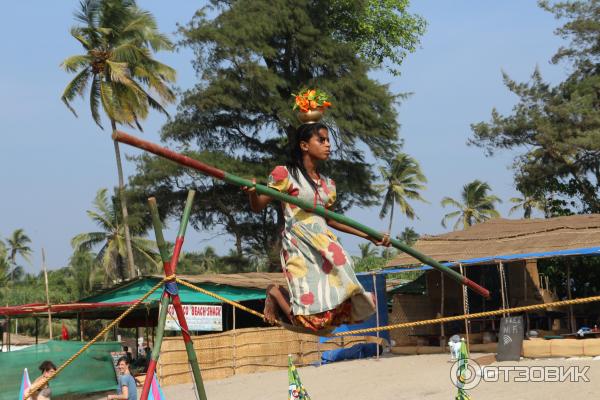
322, 290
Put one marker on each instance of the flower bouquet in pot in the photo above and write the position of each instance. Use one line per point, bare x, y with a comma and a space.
311, 104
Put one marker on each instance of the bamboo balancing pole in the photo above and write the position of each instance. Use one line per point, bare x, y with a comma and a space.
206, 169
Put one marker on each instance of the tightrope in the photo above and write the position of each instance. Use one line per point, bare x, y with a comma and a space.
415, 323
37, 386
470, 316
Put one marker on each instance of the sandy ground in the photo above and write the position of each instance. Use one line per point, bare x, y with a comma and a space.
396, 377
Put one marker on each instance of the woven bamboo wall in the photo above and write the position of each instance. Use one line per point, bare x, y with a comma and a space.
409, 308
243, 351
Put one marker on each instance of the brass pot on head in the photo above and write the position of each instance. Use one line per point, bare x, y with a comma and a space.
311, 116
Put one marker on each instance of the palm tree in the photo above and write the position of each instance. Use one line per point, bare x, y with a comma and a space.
366, 250
112, 241
18, 246
528, 203
118, 39
208, 259
476, 206
257, 258
4, 264
408, 236
403, 181
83, 265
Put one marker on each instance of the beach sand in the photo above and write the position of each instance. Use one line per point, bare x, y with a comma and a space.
395, 377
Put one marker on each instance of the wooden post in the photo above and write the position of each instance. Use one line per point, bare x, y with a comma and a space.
79, 326
8, 333
234, 342
374, 275
82, 330
525, 282
442, 300
302, 349
137, 341
572, 324
502, 285
146, 324
47, 295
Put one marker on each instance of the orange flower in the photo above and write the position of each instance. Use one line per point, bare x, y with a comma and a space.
302, 103
310, 99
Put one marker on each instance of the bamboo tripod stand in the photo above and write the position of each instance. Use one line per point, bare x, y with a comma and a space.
171, 296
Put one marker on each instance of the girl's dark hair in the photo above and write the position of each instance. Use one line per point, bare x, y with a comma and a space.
47, 366
124, 359
303, 134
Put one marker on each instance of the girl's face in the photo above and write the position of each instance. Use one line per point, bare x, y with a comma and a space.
318, 146
48, 373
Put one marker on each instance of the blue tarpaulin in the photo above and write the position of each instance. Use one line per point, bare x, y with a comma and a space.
361, 350
591, 251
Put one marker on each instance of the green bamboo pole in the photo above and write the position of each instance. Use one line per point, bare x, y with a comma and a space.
158, 338
170, 267
189, 344
164, 301
319, 209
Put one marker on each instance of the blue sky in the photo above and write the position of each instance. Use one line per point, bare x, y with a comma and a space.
52, 163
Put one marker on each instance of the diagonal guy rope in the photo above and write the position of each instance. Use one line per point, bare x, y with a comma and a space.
415, 323
216, 296
37, 386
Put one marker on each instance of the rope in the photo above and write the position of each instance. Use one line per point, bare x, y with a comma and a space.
415, 323
216, 296
43, 381
475, 315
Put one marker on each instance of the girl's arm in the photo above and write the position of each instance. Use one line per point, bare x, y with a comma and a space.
385, 241
258, 202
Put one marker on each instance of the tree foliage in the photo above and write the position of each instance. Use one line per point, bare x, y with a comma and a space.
111, 240
528, 203
380, 30
558, 126
409, 236
476, 205
250, 58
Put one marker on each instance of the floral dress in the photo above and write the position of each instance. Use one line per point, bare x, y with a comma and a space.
324, 290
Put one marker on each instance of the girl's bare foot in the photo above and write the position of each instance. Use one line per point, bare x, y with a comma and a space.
270, 312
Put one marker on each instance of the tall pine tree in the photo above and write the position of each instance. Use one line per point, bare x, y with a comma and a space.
250, 58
